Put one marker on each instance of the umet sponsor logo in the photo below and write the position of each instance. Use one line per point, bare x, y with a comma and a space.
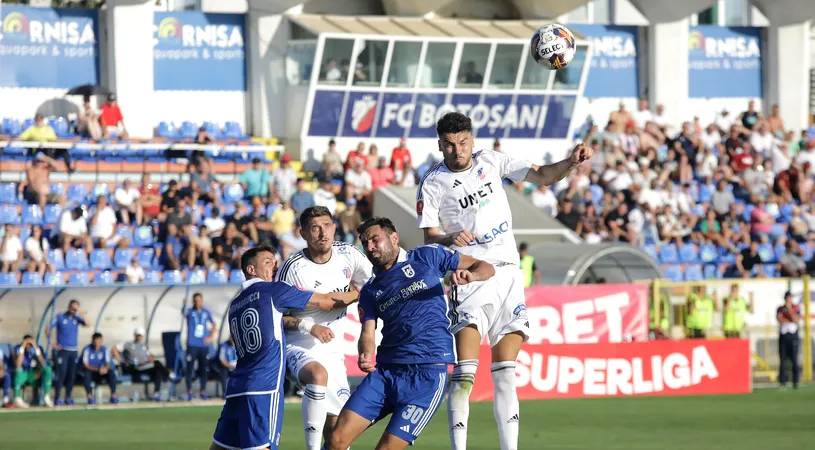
614, 376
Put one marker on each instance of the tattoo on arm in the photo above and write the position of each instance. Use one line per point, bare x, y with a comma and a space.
291, 323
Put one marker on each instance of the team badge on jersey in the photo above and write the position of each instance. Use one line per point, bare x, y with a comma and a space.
347, 272
481, 175
419, 207
408, 270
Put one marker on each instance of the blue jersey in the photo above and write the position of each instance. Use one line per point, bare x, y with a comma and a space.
256, 326
411, 301
96, 358
28, 356
198, 323
228, 353
67, 328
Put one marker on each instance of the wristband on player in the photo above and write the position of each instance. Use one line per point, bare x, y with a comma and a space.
305, 325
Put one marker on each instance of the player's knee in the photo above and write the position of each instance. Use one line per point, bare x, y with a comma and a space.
314, 373
463, 378
336, 441
503, 376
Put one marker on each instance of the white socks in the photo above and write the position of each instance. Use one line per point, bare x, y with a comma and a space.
313, 410
458, 401
505, 403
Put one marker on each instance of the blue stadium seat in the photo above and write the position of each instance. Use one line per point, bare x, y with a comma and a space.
25, 233
688, 253
54, 278
79, 278
171, 277
52, 214
786, 210
188, 130
196, 277
668, 254
122, 257
143, 237
232, 130
105, 277
32, 215
8, 193
56, 258
216, 277
673, 273
100, 260
765, 251
146, 256
58, 189
748, 209
12, 127
76, 260
651, 250
31, 279
61, 128
725, 256
708, 253
596, 194
8, 214
78, 193
705, 193
778, 229
152, 277
770, 270
212, 128
233, 193
8, 279
125, 232
808, 253
712, 272
100, 190
693, 272
236, 277
166, 130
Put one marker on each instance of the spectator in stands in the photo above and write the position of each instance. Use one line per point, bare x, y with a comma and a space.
174, 244
762, 141
747, 260
750, 118
137, 359
42, 133
65, 342
89, 125
134, 273
203, 185
761, 221
11, 249
619, 225
358, 154
531, 273
256, 180
179, 216
104, 225
400, 156
332, 72
496, 146
292, 241
36, 250
349, 220
791, 262
722, 199
618, 119
196, 156
789, 317
228, 359
324, 196
283, 219
426, 165
128, 207
112, 120
544, 199
660, 120
372, 160
643, 115
382, 175
72, 231
332, 162
284, 178
735, 308
37, 188
226, 246
99, 368
149, 200
302, 198
358, 184
199, 249
170, 197
31, 368
5, 376
471, 75
407, 178
568, 216
200, 331
214, 224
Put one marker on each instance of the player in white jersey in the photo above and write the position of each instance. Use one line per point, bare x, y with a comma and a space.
314, 357
461, 204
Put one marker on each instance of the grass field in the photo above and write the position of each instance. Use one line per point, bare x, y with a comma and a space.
767, 419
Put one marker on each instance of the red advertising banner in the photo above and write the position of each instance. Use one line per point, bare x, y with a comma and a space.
687, 367
559, 315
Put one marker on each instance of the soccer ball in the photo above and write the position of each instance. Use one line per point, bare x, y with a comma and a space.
552, 46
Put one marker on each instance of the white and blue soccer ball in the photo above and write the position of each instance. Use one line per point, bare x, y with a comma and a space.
553, 46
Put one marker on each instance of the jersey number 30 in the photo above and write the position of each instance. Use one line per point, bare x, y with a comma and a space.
247, 335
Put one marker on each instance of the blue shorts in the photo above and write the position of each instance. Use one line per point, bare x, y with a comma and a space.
250, 422
412, 393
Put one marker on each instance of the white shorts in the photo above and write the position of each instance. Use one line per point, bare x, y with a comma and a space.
496, 307
337, 391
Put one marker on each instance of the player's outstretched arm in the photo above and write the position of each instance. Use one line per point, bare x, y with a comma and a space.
366, 346
334, 300
471, 269
435, 235
552, 173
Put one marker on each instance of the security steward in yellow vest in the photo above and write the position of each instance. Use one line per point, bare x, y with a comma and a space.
528, 267
734, 310
659, 329
701, 307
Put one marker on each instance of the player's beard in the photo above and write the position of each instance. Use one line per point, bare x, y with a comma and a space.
385, 257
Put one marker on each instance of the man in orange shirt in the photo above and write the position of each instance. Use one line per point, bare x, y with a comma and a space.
400, 157
112, 120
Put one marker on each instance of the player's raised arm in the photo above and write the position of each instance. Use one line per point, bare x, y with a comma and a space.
552, 173
334, 300
367, 337
471, 269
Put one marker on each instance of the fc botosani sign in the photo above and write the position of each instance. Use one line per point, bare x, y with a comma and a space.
397, 114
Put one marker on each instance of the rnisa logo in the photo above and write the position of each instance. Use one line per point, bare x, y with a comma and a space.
724, 47
614, 46
492, 235
17, 27
171, 31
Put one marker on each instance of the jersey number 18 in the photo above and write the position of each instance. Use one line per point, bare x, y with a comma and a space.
247, 336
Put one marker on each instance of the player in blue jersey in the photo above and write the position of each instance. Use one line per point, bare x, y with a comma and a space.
253, 414
407, 294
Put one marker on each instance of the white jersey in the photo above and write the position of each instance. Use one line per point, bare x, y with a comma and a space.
474, 200
347, 265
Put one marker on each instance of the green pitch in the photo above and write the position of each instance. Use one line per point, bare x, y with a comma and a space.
766, 419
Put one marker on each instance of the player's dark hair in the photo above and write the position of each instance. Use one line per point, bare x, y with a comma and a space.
96, 335
197, 294
28, 336
72, 302
381, 222
453, 123
313, 212
250, 256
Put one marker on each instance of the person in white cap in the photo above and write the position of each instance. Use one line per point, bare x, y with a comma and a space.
137, 360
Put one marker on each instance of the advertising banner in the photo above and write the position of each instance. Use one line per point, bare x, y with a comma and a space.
689, 367
195, 51
614, 68
724, 62
48, 47
372, 114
